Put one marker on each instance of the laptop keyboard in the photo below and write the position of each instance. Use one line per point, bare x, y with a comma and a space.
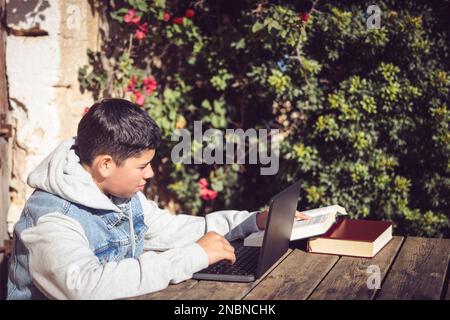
246, 263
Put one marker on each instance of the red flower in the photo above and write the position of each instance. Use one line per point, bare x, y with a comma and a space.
166, 16
139, 35
131, 18
132, 83
207, 194
141, 31
212, 194
139, 97
190, 13
304, 16
177, 20
203, 183
150, 85
204, 194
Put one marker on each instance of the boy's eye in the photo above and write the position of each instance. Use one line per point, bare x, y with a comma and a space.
145, 166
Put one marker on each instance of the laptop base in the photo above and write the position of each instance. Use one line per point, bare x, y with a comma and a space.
223, 277
243, 270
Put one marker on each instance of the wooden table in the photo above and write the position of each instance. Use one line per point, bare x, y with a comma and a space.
409, 268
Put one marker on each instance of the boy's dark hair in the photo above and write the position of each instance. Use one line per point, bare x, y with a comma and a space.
116, 127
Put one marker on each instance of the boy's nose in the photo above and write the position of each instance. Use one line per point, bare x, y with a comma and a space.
148, 173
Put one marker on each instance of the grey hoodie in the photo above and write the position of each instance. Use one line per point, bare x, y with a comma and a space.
171, 254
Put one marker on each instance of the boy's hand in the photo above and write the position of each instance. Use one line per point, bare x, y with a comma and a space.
301, 216
217, 247
261, 218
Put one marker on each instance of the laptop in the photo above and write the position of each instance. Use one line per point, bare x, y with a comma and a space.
252, 262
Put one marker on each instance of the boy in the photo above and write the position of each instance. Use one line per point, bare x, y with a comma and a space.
88, 232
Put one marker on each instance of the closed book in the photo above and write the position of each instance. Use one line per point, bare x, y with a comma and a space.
359, 238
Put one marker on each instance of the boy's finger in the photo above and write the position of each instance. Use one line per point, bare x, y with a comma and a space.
229, 247
301, 216
230, 256
227, 244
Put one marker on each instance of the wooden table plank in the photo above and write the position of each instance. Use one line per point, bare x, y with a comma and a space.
295, 278
349, 276
447, 296
172, 292
419, 270
216, 290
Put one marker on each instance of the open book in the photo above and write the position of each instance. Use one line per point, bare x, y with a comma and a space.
321, 219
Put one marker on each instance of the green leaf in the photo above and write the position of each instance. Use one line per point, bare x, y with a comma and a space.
206, 105
118, 15
257, 27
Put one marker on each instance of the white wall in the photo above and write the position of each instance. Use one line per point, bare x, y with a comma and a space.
46, 46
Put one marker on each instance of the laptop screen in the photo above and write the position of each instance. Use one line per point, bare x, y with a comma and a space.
279, 225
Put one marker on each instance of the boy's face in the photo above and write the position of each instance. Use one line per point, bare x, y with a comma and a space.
123, 181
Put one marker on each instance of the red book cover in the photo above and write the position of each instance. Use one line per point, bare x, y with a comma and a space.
357, 230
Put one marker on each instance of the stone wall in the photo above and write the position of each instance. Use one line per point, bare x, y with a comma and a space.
46, 44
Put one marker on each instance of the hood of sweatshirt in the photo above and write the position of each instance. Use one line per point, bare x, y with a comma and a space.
61, 173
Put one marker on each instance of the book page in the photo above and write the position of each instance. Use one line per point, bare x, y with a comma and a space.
320, 218
320, 221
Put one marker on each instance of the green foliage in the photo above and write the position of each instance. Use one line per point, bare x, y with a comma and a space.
364, 112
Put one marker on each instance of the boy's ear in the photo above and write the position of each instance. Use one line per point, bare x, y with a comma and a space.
105, 165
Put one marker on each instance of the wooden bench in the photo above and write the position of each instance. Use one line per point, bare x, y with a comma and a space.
409, 268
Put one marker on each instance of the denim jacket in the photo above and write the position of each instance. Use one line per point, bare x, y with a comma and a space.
112, 236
